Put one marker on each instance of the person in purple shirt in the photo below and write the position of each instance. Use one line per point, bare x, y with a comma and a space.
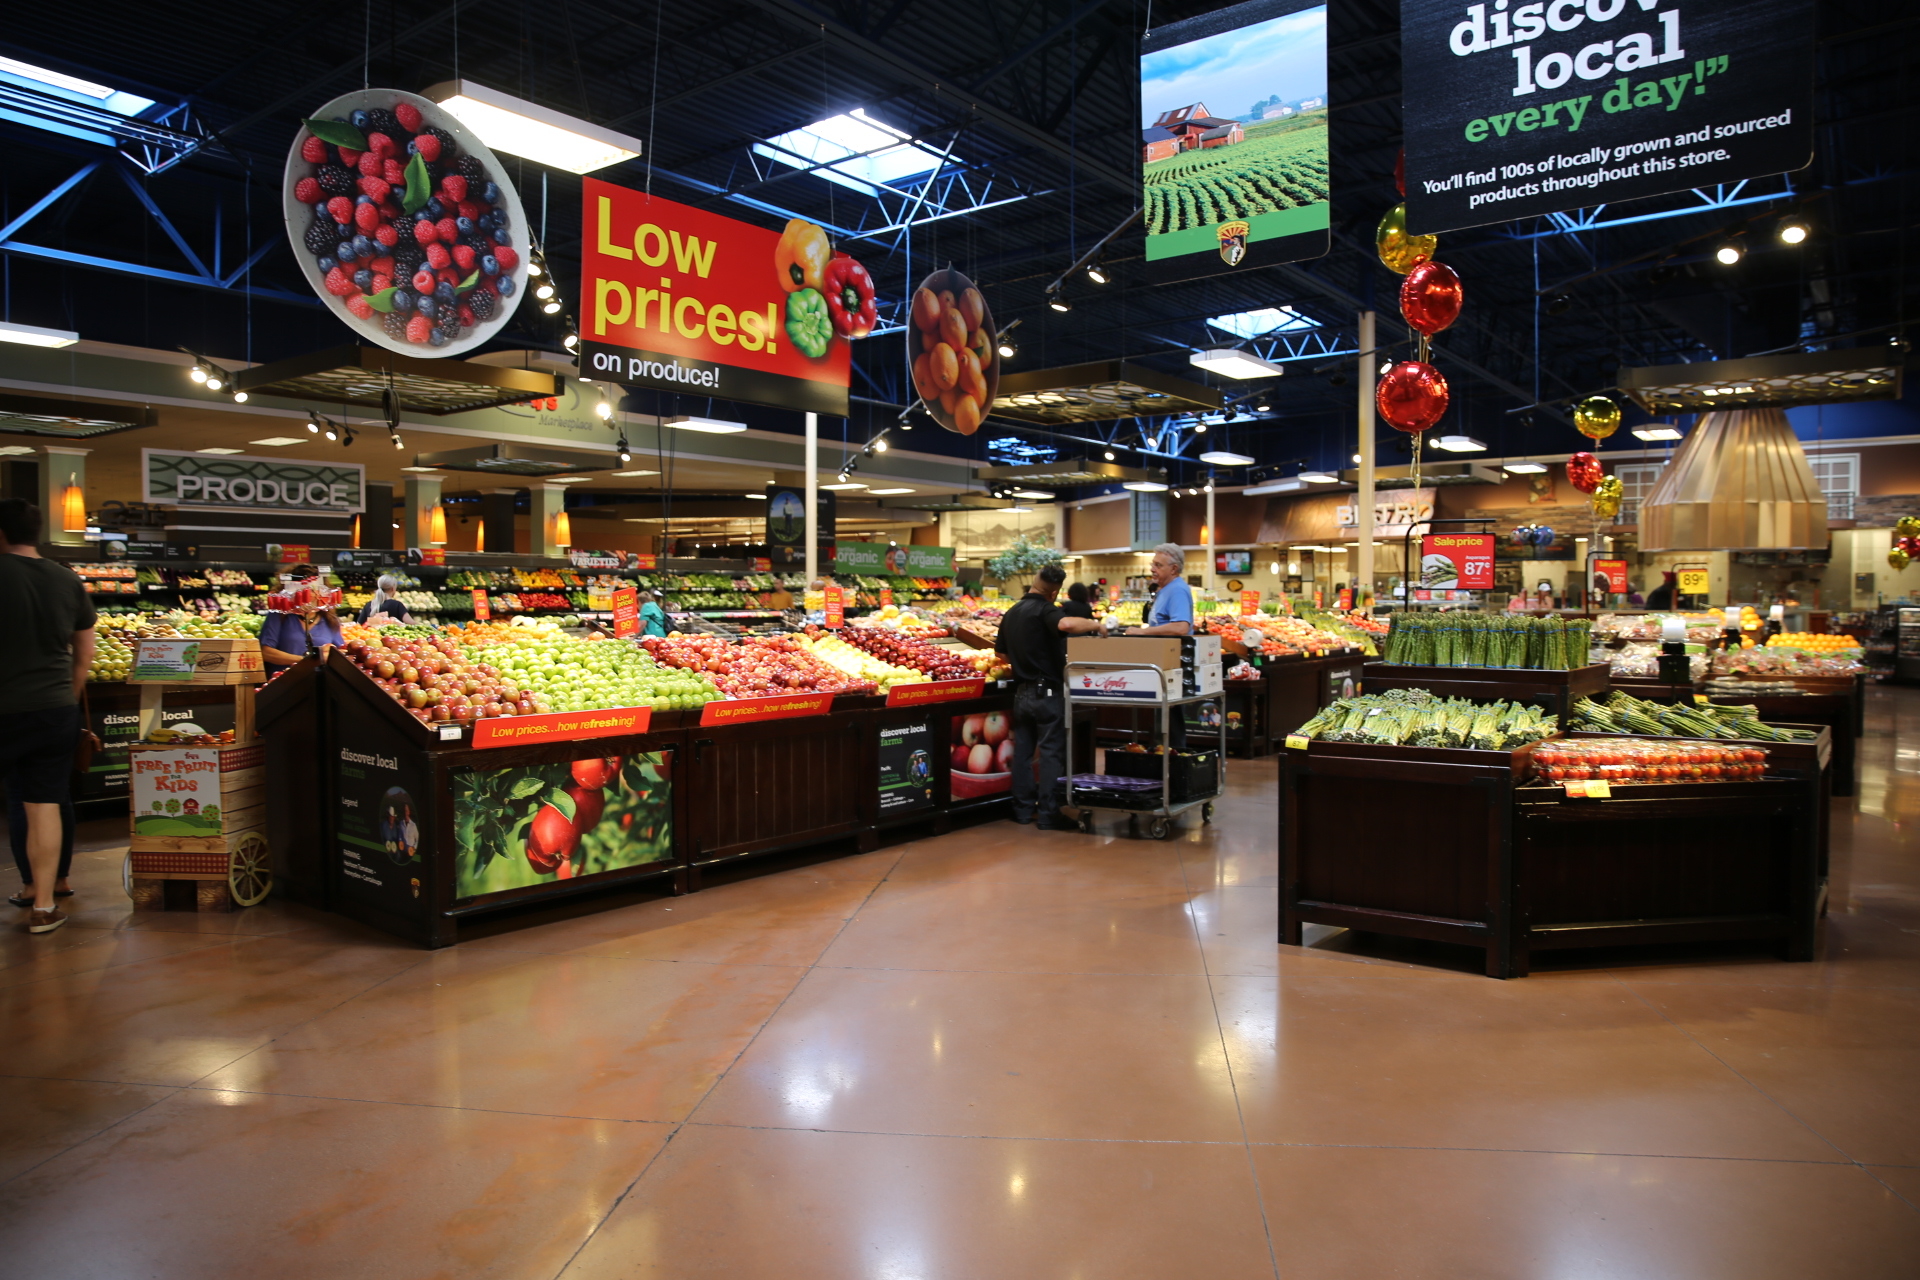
286, 638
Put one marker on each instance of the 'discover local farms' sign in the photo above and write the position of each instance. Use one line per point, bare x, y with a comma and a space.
236, 483
685, 300
1516, 110
880, 558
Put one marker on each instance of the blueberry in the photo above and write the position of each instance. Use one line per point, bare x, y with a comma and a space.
327, 264
501, 236
465, 225
500, 218
363, 278
436, 339
491, 193
428, 307
320, 210
344, 230
505, 285
346, 252
403, 299
361, 120
364, 199
436, 209
445, 292
490, 265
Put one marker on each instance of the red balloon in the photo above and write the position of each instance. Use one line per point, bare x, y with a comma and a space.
1400, 173
1411, 396
1430, 297
1584, 472
1910, 545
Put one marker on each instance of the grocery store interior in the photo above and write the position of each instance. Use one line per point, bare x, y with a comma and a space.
570, 536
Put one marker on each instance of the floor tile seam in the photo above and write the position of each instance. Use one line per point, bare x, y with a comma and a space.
173, 1091
959, 1137
1843, 1162
532, 953
425, 1106
1233, 1080
718, 1078
1741, 1075
1892, 1190
1030, 973
103, 968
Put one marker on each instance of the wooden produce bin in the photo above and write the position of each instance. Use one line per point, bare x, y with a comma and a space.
1556, 691
1467, 852
198, 814
1298, 686
1836, 702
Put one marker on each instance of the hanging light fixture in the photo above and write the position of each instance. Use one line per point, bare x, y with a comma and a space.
1740, 481
1793, 230
562, 530
1729, 251
437, 526
73, 505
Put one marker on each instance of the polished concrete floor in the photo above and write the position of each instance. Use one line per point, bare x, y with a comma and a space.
995, 1054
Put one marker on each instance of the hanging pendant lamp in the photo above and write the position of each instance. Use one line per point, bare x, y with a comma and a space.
1739, 482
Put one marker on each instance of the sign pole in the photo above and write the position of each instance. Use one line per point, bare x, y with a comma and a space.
813, 499
1363, 572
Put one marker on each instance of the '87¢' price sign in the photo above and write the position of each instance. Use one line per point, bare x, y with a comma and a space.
1517, 110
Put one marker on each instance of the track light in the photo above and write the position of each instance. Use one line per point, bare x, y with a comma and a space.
626, 454
1729, 251
313, 423
397, 443
1199, 428
880, 445
1559, 304
198, 373
551, 306
239, 397
1097, 273
604, 409
346, 434
1007, 348
544, 292
215, 382
537, 266
1058, 300
1262, 408
572, 341
1793, 230
330, 433
1109, 455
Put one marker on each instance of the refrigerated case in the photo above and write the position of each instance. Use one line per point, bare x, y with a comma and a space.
1906, 646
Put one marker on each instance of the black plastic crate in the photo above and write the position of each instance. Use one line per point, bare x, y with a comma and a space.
1193, 775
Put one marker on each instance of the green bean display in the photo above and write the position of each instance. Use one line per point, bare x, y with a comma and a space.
1487, 640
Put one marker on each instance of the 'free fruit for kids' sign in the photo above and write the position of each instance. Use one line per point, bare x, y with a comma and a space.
1519, 109
685, 300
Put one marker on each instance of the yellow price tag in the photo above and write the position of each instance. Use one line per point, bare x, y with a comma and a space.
1693, 582
1599, 789
1700, 699
1297, 742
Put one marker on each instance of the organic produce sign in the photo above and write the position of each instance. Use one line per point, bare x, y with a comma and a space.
237, 483
684, 300
956, 365
1456, 562
900, 562
404, 223
560, 821
1233, 139
906, 767
561, 726
1536, 108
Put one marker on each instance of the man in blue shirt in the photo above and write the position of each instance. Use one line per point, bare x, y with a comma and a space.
1172, 611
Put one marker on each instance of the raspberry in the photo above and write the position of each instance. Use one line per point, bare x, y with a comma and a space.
375, 188
449, 275
507, 258
340, 284
427, 147
359, 305
424, 280
425, 232
437, 256
383, 265
471, 209
466, 316
340, 209
366, 217
449, 229
419, 329
393, 172
368, 165
349, 157
313, 151
454, 187
463, 257
387, 234
408, 115
379, 144
307, 191
381, 280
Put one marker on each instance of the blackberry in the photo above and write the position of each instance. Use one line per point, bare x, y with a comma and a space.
320, 238
470, 168
448, 321
481, 303
408, 257
335, 180
380, 120
447, 148
395, 324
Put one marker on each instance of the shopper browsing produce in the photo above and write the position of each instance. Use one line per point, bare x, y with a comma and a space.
386, 601
300, 620
653, 617
1033, 636
1172, 610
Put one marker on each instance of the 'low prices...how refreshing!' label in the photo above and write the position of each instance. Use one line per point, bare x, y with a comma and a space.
920, 695
749, 710
560, 726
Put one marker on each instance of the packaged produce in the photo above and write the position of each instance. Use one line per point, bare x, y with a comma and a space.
1639, 760
1416, 718
1487, 640
1623, 713
1642, 659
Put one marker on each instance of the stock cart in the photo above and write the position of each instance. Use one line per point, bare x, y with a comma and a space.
1187, 780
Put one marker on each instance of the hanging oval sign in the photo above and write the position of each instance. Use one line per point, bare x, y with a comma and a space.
404, 223
956, 369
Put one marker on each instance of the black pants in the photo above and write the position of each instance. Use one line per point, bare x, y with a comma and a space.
1039, 726
17, 836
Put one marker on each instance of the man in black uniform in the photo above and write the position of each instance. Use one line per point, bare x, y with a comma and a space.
1033, 636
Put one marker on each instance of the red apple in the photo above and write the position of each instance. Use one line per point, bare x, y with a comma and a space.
1003, 755
961, 752
996, 729
971, 729
980, 759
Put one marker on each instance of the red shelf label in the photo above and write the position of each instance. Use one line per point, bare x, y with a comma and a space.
626, 612
788, 706
920, 695
835, 610
560, 726
482, 611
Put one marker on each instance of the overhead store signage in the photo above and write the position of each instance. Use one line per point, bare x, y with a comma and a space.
900, 562
1517, 111
787, 519
1394, 514
680, 299
1233, 139
238, 483
1455, 562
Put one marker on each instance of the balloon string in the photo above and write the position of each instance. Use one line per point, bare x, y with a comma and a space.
1418, 439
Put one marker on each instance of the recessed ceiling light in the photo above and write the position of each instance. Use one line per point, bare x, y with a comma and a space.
1222, 458
1033, 493
712, 426
1316, 476
216, 451
429, 470
568, 479
760, 496
279, 442
634, 473
1145, 486
1015, 511
890, 492
851, 484
1230, 362
1524, 468
11, 449
522, 128
1657, 431
1459, 444
32, 335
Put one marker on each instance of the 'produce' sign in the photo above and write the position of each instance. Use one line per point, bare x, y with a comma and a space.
681, 299
1513, 111
238, 483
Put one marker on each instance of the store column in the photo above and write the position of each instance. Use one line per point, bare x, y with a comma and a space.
546, 503
63, 467
423, 504
496, 514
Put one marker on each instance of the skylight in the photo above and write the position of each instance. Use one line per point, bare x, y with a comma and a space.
1252, 324
855, 151
60, 87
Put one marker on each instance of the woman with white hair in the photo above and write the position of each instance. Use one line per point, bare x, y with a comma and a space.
1171, 613
386, 601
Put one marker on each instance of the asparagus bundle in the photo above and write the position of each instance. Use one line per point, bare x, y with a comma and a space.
1487, 640
1415, 718
1623, 713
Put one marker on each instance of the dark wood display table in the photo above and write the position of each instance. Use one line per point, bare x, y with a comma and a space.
1556, 691
1837, 702
1458, 848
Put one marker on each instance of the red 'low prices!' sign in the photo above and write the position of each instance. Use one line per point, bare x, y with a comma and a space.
626, 612
747, 710
1457, 561
560, 726
685, 300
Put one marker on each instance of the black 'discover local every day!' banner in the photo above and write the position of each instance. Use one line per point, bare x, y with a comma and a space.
1513, 110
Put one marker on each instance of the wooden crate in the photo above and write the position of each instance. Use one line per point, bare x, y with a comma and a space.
179, 842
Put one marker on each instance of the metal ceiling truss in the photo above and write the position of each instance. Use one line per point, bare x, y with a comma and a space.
151, 145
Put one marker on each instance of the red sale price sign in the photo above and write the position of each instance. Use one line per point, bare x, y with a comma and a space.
1457, 561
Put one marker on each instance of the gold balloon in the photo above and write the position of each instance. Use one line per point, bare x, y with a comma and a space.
1898, 558
1596, 416
1400, 251
1908, 526
1606, 498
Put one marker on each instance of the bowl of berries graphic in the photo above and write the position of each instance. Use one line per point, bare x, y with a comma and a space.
405, 223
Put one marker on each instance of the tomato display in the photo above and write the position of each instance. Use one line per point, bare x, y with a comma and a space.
1647, 760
